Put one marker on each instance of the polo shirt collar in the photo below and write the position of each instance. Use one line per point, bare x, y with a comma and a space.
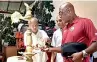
74, 21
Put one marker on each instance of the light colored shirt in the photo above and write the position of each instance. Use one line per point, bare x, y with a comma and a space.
37, 39
56, 42
95, 54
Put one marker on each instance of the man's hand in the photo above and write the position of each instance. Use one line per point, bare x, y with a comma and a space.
77, 57
44, 39
54, 49
44, 49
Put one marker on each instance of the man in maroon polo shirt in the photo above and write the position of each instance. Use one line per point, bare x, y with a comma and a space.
77, 29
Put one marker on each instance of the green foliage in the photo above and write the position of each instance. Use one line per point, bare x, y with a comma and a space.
51, 24
6, 30
42, 10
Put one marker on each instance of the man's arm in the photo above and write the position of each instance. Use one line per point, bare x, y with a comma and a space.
78, 56
53, 43
92, 48
90, 31
53, 49
45, 37
53, 55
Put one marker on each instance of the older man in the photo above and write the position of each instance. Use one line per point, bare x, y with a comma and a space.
39, 37
77, 29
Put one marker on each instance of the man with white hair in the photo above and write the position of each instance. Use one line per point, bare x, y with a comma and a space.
39, 37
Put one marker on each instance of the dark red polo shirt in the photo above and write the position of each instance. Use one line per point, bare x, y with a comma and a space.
81, 30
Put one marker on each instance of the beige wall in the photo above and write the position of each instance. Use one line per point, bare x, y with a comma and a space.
86, 9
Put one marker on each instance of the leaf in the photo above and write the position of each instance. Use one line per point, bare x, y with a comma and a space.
6, 30
42, 10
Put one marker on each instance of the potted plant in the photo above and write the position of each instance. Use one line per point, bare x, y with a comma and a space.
6, 30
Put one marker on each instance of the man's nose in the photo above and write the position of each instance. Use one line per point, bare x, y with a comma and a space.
34, 27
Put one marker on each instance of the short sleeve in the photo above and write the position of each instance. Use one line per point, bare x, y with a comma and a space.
44, 34
90, 30
53, 40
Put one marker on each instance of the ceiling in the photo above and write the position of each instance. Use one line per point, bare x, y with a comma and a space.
11, 6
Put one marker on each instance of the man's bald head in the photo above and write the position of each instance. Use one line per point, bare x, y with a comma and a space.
67, 5
33, 20
67, 12
59, 22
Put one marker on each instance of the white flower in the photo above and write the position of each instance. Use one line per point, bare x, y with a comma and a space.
15, 17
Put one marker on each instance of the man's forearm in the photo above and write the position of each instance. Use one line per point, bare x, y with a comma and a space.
53, 55
92, 48
55, 49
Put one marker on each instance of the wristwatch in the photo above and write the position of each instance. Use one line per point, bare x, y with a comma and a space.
85, 54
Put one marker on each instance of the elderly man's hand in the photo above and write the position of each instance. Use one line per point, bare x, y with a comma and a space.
47, 42
77, 57
45, 39
44, 49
